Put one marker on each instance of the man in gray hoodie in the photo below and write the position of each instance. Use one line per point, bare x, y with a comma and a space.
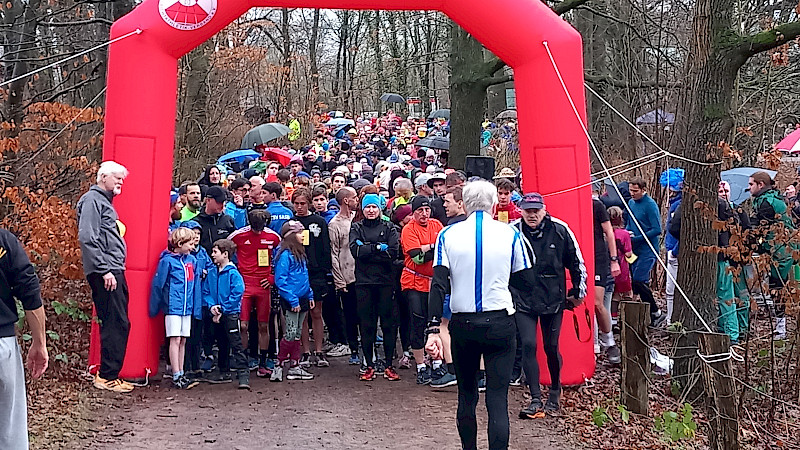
103, 250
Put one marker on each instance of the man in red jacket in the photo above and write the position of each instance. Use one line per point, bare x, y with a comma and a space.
255, 245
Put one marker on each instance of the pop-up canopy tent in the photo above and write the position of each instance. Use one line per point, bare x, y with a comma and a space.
140, 129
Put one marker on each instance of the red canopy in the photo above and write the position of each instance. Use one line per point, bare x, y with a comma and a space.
276, 154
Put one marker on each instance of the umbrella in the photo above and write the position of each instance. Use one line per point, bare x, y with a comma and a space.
791, 143
654, 117
340, 122
440, 113
277, 154
264, 133
508, 114
238, 156
439, 142
738, 179
392, 98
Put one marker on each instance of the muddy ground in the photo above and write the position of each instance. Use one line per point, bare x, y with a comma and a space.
334, 411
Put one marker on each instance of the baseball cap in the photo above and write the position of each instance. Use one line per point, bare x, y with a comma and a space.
419, 201
217, 193
531, 200
422, 180
436, 176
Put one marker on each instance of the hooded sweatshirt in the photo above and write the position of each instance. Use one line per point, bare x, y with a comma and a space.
173, 288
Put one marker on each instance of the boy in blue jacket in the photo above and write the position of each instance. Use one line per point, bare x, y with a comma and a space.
223, 294
173, 293
194, 345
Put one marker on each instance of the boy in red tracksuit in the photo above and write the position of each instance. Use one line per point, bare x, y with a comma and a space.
256, 244
507, 211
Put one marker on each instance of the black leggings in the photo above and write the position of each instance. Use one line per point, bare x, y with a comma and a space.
551, 329
418, 301
404, 309
374, 301
642, 289
492, 335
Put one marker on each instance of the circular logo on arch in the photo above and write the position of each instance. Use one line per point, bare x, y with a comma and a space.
187, 14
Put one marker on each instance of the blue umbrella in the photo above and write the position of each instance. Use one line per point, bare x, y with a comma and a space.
339, 122
238, 156
738, 178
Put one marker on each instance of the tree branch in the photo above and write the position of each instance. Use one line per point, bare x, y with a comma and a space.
500, 79
567, 5
769, 39
628, 85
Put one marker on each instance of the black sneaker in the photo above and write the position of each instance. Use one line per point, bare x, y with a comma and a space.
424, 375
532, 411
380, 365
613, 355
482, 384
219, 377
516, 381
188, 383
438, 373
552, 407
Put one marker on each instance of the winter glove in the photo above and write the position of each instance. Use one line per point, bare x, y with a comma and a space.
359, 243
382, 247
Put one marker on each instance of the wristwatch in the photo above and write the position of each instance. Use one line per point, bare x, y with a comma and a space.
614, 258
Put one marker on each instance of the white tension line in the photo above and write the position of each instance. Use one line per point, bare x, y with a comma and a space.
609, 175
136, 31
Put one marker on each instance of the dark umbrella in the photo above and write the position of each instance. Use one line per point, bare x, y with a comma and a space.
439, 142
738, 178
508, 114
440, 113
392, 98
264, 133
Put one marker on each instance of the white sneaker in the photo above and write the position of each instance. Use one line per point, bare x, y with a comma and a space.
298, 373
277, 374
596, 349
780, 329
339, 350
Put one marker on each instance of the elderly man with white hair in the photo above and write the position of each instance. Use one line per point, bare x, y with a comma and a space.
100, 234
476, 260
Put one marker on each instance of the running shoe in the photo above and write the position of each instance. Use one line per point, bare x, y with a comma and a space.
424, 375
183, 383
263, 372
252, 364
368, 375
305, 360
482, 384
116, 385
219, 377
438, 373
208, 364
363, 368
613, 354
298, 373
354, 360
277, 374
322, 361
270, 364
657, 320
194, 375
448, 379
328, 346
379, 340
516, 381
244, 379
552, 407
533, 411
338, 351
405, 362
167, 372
391, 374
380, 365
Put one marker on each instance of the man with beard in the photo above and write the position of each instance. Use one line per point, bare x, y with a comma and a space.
193, 202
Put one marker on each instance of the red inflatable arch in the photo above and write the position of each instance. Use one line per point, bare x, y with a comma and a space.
140, 129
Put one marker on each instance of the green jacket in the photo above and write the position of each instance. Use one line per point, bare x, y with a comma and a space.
769, 209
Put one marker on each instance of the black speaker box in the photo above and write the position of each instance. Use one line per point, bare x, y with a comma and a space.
480, 166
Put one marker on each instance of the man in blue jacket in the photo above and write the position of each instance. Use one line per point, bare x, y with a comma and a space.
645, 212
673, 180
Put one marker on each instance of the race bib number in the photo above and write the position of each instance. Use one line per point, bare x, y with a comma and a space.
502, 216
306, 240
263, 257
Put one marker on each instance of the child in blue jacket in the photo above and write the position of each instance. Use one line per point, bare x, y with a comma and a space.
194, 345
223, 294
297, 298
173, 293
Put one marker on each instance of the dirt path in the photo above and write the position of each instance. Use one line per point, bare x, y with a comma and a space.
334, 411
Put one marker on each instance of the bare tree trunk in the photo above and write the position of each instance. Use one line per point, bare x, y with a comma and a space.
312, 61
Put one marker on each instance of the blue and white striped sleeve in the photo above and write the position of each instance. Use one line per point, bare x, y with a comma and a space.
440, 251
522, 255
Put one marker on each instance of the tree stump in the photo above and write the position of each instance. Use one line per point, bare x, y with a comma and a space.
635, 317
723, 419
